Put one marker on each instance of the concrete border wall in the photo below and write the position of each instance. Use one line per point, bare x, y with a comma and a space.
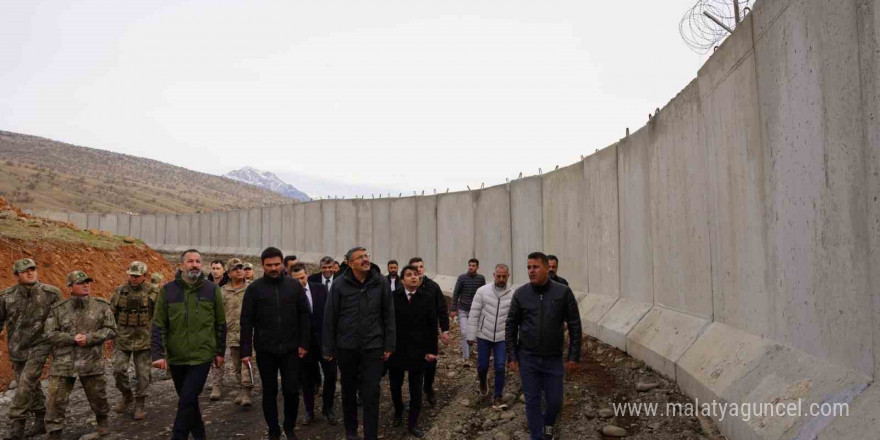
731, 243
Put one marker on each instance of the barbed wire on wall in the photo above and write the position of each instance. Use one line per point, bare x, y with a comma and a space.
708, 22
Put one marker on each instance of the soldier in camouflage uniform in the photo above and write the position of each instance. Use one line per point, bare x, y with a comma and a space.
233, 294
77, 328
249, 271
132, 305
23, 310
156, 278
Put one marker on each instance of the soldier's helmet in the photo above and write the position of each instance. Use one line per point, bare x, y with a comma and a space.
77, 277
137, 268
156, 278
22, 265
233, 263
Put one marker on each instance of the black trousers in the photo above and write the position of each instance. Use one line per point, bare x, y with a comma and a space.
313, 365
288, 365
189, 380
430, 373
395, 376
369, 365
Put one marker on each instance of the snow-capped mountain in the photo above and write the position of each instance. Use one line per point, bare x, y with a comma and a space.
266, 180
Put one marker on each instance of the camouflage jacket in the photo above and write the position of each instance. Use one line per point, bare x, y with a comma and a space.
23, 311
90, 316
232, 299
133, 311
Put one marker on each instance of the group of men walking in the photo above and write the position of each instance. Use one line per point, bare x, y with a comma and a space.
303, 329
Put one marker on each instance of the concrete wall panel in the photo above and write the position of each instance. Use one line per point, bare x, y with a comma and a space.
314, 228
160, 230
328, 227
232, 229
346, 226
266, 227
492, 228
243, 229
404, 242
426, 231
170, 224
79, 219
679, 206
107, 222
381, 250
288, 231
134, 228
255, 230
123, 224
809, 96
564, 223
526, 224
603, 230
275, 225
93, 221
455, 232
364, 223
214, 238
204, 230
183, 232
299, 225
636, 246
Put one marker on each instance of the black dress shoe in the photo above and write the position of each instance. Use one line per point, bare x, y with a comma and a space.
351, 436
416, 432
308, 419
331, 417
398, 420
432, 397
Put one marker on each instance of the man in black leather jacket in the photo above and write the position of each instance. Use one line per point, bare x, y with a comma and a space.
535, 335
275, 321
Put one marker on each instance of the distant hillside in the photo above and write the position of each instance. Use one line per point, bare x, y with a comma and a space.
38, 173
266, 180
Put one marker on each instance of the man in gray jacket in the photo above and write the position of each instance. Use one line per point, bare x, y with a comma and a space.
485, 328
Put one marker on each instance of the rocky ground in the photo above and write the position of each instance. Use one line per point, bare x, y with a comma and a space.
606, 376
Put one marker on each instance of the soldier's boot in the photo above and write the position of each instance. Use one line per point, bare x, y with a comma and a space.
103, 426
239, 396
16, 431
139, 412
54, 435
246, 397
39, 427
123, 405
215, 392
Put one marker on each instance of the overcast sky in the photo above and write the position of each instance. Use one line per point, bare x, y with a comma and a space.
343, 97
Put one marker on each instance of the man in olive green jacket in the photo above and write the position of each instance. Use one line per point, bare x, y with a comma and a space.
189, 324
77, 328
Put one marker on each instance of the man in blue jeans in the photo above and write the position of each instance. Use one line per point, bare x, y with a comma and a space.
485, 328
535, 334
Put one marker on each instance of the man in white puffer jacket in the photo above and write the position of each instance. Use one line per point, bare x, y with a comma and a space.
486, 325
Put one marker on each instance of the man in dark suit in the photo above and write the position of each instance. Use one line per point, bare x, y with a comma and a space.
415, 315
394, 281
326, 276
317, 297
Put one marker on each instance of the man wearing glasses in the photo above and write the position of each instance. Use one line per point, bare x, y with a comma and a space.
359, 333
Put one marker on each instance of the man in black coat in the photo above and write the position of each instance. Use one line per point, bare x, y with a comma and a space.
415, 315
535, 335
314, 363
359, 332
276, 309
433, 288
326, 276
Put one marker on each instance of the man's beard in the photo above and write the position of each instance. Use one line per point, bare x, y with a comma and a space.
502, 285
272, 273
193, 275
